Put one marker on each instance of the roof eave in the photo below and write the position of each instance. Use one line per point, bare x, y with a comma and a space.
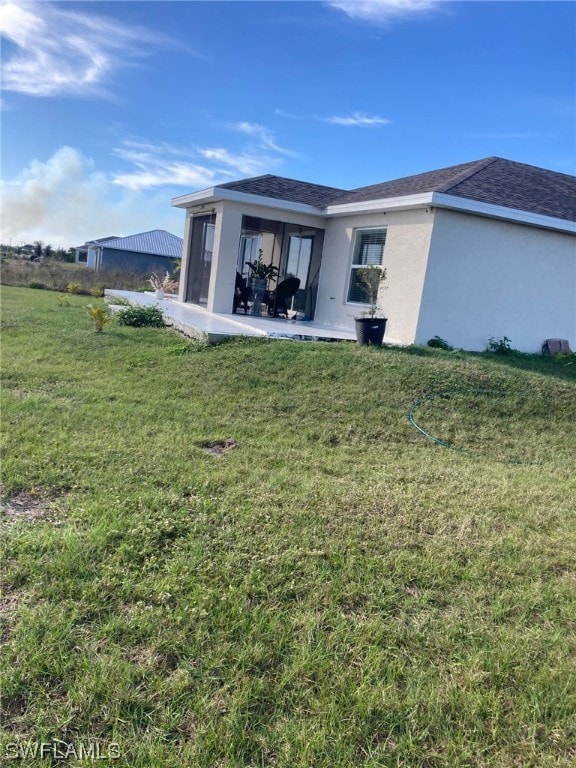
195, 198
220, 194
442, 200
404, 203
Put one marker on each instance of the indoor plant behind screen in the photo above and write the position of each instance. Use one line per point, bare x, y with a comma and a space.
260, 274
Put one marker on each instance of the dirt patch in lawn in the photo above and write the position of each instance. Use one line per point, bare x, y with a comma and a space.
219, 447
27, 507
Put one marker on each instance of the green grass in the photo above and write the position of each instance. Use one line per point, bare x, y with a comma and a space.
333, 591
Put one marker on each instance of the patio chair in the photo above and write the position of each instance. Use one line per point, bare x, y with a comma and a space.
242, 293
278, 300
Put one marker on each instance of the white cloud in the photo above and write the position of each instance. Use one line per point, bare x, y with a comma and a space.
232, 164
382, 10
163, 164
66, 201
358, 119
194, 167
51, 51
264, 137
291, 115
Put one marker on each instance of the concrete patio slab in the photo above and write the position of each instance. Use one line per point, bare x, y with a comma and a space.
194, 321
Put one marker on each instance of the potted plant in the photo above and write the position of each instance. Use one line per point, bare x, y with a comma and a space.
162, 285
370, 327
260, 274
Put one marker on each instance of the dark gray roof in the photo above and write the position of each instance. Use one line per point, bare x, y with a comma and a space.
525, 187
491, 180
291, 190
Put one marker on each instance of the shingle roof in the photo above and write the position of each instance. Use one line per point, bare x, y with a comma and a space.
491, 180
291, 190
431, 181
157, 241
525, 187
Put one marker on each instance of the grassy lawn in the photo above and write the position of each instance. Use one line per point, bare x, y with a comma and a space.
333, 590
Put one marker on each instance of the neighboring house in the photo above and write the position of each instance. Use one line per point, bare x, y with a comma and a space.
146, 252
477, 250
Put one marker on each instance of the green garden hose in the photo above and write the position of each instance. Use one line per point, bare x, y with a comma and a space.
446, 396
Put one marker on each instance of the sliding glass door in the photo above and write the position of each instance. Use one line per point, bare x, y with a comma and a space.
200, 265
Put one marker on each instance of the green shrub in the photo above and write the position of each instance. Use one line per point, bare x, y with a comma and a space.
565, 358
73, 287
97, 292
34, 284
140, 317
500, 346
437, 342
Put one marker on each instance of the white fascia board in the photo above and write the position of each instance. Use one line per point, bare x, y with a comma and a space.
216, 194
269, 202
195, 198
441, 200
386, 204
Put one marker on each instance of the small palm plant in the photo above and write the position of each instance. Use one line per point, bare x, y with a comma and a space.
99, 315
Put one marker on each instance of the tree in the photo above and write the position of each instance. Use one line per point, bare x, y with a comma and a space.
37, 252
60, 254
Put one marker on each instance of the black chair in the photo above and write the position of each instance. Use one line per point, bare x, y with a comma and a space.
278, 300
242, 293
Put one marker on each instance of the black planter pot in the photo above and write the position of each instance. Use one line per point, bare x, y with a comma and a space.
370, 330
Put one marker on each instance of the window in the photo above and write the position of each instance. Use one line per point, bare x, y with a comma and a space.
299, 254
82, 257
368, 251
249, 248
208, 245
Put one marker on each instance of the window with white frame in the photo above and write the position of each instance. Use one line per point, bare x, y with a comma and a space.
368, 251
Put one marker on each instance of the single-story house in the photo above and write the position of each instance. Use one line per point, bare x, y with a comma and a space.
478, 250
146, 252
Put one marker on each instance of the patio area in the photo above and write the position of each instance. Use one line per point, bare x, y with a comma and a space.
192, 320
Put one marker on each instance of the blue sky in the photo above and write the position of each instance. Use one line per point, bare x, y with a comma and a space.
110, 109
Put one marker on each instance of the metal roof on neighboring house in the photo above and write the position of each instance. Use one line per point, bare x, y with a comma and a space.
157, 242
492, 180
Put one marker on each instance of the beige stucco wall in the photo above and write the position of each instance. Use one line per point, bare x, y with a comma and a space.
408, 236
494, 278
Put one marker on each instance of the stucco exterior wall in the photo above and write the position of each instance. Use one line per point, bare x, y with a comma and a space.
408, 236
494, 278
